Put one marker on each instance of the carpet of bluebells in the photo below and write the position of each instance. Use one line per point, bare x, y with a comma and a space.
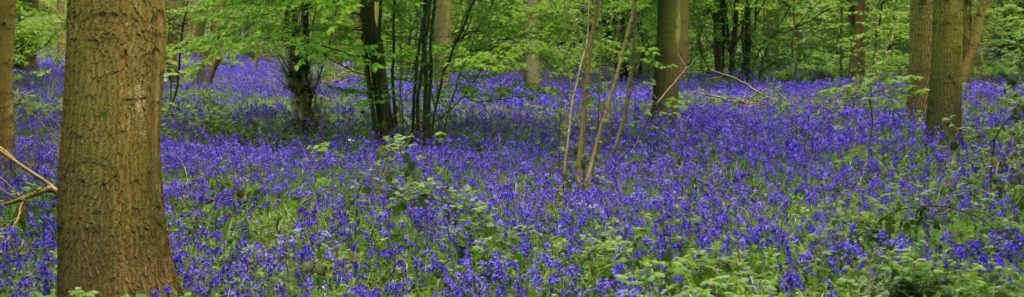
818, 188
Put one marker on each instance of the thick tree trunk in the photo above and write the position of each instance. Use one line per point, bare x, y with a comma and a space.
945, 101
8, 22
857, 13
674, 50
299, 74
973, 42
920, 52
533, 67
383, 120
111, 230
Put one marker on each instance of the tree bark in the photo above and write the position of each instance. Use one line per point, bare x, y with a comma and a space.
747, 40
857, 14
298, 74
111, 230
973, 43
442, 36
374, 73
62, 43
674, 51
720, 24
533, 67
946, 97
8, 22
920, 52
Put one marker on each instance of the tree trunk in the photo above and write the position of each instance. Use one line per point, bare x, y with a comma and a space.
533, 67
920, 52
374, 73
734, 28
857, 13
747, 40
298, 74
111, 230
8, 22
945, 99
442, 36
62, 38
720, 24
674, 49
588, 57
973, 42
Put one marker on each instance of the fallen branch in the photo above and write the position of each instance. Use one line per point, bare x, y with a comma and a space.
48, 188
751, 87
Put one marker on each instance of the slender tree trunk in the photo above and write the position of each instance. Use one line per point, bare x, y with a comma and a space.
674, 49
8, 22
382, 117
634, 67
62, 38
533, 67
973, 42
423, 82
857, 13
920, 52
442, 36
606, 111
946, 98
588, 57
111, 230
720, 24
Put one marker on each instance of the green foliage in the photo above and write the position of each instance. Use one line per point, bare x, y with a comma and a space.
37, 30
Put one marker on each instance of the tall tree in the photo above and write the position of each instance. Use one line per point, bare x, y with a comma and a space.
673, 49
533, 67
8, 22
945, 101
111, 230
857, 13
920, 52
381, 112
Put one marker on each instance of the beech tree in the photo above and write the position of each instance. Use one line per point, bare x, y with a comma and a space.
111, 230
673, 49
920, 52
945, 100
533, 68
